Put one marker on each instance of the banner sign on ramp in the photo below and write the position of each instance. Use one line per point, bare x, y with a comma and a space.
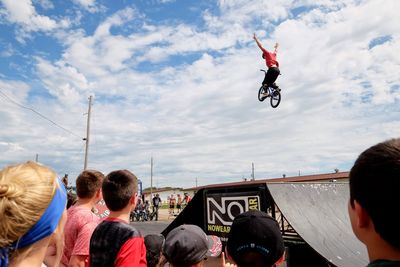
222, 208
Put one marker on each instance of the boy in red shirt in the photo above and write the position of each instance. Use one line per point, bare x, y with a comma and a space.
81, 220
114, 241
272, 64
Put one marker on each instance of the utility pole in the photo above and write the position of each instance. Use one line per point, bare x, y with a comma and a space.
196, 181
252, 171
87, 133
151, 179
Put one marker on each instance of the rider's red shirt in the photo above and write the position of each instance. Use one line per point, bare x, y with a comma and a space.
270, 59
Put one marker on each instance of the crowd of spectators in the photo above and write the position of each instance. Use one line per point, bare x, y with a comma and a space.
37, 230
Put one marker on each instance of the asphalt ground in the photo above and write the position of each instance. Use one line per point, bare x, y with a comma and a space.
150, 227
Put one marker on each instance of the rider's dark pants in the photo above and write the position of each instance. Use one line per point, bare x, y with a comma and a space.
271, 75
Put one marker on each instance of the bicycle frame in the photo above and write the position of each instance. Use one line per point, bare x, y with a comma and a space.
271, 91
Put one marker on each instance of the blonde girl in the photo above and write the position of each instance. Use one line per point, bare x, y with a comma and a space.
32, 214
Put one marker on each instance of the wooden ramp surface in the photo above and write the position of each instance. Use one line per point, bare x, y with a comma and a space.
318, 213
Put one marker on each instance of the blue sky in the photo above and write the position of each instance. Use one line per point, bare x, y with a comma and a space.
177, 80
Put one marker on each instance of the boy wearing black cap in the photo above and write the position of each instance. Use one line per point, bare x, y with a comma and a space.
255, 240
188, 246
374, 202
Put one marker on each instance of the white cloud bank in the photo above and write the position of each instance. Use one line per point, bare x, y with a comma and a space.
201, 118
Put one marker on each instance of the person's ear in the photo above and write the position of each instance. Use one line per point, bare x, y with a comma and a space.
134, 199
99, 194
363, 219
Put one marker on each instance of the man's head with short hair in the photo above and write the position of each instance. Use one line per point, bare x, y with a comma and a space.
118, 189
374, 185
88, 183
255, 240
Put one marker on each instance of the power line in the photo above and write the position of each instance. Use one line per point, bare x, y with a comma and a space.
38, 113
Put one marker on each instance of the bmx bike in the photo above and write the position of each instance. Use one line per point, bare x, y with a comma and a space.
272, 91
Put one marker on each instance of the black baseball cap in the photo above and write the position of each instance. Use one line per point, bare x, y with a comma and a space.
255, 231
187, 244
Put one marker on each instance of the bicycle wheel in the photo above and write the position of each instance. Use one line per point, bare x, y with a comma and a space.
275, 98
260, 92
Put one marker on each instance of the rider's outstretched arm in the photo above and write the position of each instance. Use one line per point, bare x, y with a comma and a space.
276, 48
258, 42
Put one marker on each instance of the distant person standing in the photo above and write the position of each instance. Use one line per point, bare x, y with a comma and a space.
374, 202
187, 198
81, 221
65, 181
172, 201
179, 203
114, 241
71, 197
156, 205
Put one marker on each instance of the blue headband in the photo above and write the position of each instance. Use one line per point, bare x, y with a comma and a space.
43, 228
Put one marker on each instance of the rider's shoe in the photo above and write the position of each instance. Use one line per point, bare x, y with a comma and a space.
276, 87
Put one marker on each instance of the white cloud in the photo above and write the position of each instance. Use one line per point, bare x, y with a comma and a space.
27, 134
89, 5
86, 3
63, 81
23, 13
46, 4
7, 51
201, 118
27, 21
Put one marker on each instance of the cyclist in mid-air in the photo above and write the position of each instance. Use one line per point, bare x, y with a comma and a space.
272, 64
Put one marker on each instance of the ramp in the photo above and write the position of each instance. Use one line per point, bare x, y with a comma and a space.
318, 213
